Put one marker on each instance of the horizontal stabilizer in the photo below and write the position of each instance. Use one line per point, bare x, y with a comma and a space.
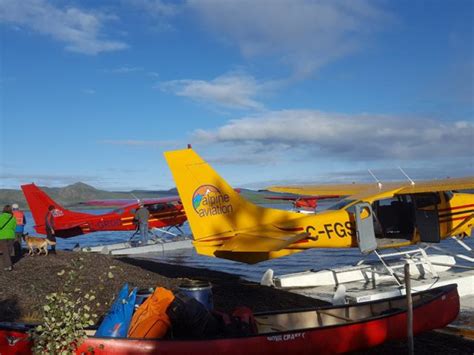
244, 242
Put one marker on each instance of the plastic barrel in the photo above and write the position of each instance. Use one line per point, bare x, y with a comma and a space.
200, 291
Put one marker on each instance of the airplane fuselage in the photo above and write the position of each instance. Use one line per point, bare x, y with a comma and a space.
337, 229
117, 220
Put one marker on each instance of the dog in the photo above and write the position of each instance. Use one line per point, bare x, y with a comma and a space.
41, 244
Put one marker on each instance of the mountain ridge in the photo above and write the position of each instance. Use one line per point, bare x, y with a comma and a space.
71, 195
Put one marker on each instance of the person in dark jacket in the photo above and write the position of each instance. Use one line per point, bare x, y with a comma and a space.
7, 236
50, 233
141, 215
20, 228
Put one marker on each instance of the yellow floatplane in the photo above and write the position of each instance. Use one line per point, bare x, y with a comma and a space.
370, 217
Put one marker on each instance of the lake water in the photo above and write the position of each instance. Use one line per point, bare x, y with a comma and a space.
311, 259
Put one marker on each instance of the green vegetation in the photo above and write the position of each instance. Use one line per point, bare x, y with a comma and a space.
68, 313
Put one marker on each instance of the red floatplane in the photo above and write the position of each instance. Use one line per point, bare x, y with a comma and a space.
164, 212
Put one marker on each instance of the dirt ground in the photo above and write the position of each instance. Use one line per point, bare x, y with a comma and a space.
23, 291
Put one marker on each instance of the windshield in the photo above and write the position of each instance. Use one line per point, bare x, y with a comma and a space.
340, 204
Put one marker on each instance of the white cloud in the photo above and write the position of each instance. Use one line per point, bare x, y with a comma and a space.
361, 137
304, 34
79, 29
233, 90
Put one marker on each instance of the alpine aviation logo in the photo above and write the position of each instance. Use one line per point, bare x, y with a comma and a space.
209, 201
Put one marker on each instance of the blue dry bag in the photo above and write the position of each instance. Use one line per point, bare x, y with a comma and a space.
117, 321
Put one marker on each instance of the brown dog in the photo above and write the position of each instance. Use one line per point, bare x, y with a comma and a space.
41, 244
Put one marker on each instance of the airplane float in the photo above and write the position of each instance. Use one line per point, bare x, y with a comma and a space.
370, 217
164, 212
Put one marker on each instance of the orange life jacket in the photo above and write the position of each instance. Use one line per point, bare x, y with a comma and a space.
150, 319
19, 216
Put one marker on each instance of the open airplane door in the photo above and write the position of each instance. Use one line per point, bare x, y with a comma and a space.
365, 228
426, 217
427, 225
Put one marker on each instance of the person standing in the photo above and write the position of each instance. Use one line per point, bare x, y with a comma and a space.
141, 215
49, 224
20, 228
7, 236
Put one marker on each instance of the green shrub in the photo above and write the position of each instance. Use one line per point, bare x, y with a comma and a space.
66, 315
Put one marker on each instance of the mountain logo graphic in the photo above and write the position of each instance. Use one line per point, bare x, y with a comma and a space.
209, 201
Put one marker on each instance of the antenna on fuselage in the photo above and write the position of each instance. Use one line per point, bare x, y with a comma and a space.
379, 184
135, 197
411, 181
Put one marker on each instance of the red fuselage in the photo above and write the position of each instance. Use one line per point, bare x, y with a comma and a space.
121, 219
164, 212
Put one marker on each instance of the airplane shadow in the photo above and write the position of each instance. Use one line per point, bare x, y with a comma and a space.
246, 292
9, 310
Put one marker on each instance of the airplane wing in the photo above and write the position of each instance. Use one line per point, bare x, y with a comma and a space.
126, 202
404, 187
335, 189
450, 184
304, 198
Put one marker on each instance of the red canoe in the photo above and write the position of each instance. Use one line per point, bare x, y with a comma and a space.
323, 330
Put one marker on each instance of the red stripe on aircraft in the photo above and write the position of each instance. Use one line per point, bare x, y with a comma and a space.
454, 219
293, 229
455, 208
302, 241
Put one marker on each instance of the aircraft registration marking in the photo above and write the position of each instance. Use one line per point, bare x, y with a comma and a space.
332, 230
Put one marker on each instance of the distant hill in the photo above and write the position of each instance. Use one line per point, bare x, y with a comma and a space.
70, 196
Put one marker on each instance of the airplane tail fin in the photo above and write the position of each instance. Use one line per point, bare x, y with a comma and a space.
212, 206
39, 203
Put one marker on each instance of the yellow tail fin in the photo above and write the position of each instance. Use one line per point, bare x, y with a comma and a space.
212, 206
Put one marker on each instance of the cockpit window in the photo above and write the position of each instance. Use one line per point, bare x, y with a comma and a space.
157, 207
340, 204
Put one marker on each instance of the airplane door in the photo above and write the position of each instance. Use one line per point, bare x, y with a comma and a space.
426, 218
365, 228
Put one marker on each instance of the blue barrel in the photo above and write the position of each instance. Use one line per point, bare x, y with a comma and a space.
199, 290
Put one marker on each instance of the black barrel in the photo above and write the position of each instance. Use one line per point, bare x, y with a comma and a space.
199, 290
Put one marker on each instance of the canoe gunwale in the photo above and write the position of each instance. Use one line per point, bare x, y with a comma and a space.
430, 296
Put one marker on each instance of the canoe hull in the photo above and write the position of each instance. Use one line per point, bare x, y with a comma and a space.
433, 314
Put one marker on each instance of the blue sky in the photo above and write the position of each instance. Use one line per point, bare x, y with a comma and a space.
267, 91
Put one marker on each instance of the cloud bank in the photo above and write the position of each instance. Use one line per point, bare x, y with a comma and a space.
233, 90
356, 137
82, 31
303, 34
